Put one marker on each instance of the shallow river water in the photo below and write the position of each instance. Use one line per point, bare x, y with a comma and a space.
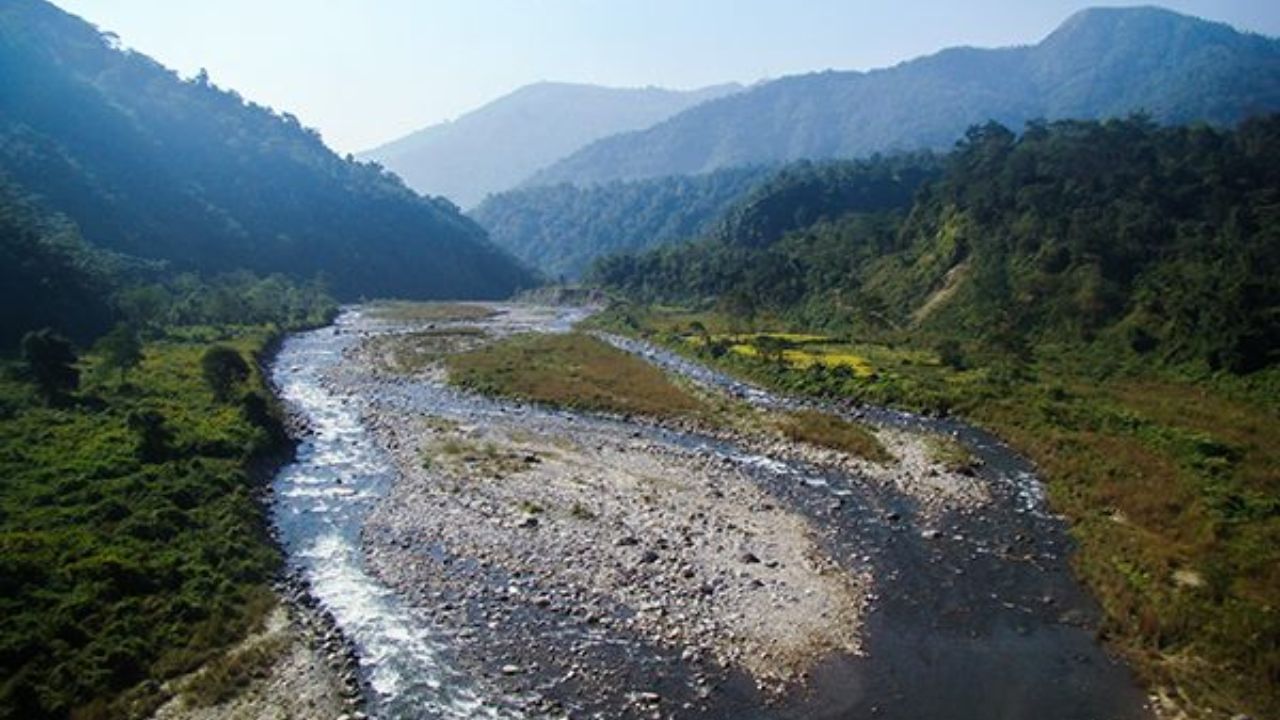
985, 622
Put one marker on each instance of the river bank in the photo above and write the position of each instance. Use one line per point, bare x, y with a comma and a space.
562, 562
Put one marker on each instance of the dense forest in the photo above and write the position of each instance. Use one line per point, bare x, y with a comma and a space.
1100, 63
561, 229
151, 166
49, 277
1105, 296
1161, 240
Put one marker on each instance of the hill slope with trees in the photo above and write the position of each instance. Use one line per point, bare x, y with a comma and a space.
561, 229
152, 166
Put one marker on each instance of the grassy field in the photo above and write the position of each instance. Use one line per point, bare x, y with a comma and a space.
826, 430
578, 371
429, 312
1171, 480
572, 370
130, 553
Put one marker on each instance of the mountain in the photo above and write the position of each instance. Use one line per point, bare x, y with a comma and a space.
149, 165
561, 229
1100, 63
499, 145
1160, 242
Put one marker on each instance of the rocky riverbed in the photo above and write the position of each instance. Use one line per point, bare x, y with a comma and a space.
566, 564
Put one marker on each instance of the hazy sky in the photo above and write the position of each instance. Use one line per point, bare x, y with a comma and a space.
367, 71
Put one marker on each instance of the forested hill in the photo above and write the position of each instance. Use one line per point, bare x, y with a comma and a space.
48, 276
152, 166
1100, 63
561, 229
498, 146
1158, 243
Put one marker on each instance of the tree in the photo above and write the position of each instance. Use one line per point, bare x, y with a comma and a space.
51, 360
120, 349
771, 348
155, 440
223, 368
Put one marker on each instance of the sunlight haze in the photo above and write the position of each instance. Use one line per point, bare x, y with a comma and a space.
364, 73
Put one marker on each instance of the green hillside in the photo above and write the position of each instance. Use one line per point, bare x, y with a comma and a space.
561, 229
152, 166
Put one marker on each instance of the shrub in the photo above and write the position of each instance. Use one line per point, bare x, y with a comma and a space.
223, 369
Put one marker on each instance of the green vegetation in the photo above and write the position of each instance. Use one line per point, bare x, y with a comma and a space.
120, 350
224, 677
561, 229
134, 545
1102, 295
571, 370
462, 457
430, 312
1153, 243
951, 455
223, 369
827, 430
51, 364
50, 277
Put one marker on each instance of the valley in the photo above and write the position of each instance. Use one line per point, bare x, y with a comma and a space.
640, 382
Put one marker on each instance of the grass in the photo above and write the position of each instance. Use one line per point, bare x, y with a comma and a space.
826, 430
950, 454
572, 370
227, 675
1166, 475
410, 353
118, 567
467, 458
429, 312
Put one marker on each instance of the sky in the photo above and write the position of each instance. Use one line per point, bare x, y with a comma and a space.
364, 72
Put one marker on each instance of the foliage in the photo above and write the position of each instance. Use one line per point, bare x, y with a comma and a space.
49, 277
560, 229
826, 430
223, 370
238, 297
51, 362
155, 167
120, 349
132, 543
1157, 243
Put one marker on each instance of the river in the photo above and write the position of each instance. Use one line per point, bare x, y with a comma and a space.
985, 621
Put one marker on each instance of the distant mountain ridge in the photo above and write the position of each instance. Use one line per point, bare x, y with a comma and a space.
561, 229
1100, 63
149, 165
499, 145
